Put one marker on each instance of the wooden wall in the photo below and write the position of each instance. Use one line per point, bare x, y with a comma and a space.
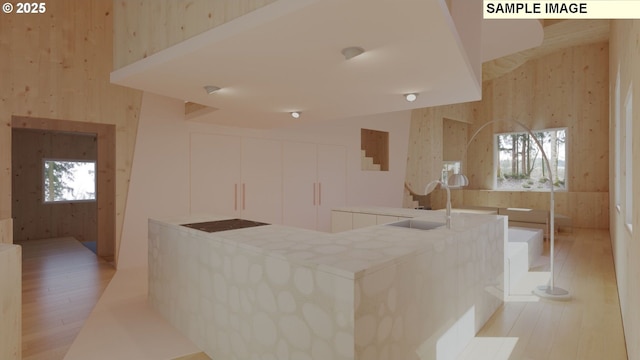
56, 66
568, 88
6, 231
624, 58
32, 217
10, 302
148, 26
105, 168
426, 143
455, 135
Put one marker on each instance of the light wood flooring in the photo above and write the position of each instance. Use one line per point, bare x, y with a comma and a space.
61, 286
61, 282
196, 356
589, 326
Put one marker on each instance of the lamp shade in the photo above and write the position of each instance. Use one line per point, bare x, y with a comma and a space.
458, 180
431, 186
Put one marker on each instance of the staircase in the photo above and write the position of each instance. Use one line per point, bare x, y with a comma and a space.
413, 200
367, 163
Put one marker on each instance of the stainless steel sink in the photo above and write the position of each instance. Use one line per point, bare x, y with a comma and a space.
417, 224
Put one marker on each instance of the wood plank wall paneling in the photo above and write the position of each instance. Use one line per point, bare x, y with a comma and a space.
425, 153
564, 89
6, 231
455, 144
10, 302
558, 35
568, 88
148, 26
586, 209
58, 65
32, 218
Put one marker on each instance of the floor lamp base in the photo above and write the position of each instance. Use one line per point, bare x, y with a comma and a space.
558, 294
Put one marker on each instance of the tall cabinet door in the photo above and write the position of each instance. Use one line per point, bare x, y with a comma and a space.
332, 182
300, 184
215, 174
261, 186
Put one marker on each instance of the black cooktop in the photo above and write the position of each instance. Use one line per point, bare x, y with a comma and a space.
224, 225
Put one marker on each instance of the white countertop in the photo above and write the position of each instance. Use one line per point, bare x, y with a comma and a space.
389, 211
404, 212
349, 254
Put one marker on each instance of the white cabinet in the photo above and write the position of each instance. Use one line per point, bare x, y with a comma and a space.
385, 219
300, 185
215, 175
345, 220
262, 180
234, 176
361, 220
341, 221
314, 182
332, 182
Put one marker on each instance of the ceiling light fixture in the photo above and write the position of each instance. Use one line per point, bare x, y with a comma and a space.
295, 114
411, 97
210, 89
351, 52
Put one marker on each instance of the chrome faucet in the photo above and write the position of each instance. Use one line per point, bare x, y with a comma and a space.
431, 186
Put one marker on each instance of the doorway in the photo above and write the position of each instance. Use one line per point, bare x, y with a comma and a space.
104, 205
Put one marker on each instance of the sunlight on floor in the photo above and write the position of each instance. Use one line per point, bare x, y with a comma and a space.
524, 287
489, 348
501, 348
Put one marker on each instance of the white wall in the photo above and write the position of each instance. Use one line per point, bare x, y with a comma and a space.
370, 188
624, 55
159, 185
378, 188
159, 175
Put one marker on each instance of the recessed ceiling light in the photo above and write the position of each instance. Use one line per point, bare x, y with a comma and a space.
351, 52
411, 97
295, 114
210, 89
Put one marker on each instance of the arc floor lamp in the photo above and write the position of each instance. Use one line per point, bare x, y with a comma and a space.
548, 291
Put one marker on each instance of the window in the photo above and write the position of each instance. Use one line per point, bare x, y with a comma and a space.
520, 162
617, 124
67, 180
628, 161
449, 168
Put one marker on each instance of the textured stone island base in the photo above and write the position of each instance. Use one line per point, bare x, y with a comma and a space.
381, 292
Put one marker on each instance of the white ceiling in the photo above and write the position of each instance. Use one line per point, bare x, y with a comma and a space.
286, 57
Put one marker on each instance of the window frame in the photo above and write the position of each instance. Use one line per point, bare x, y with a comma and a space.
496, 162
450, 166
95, 180
628, 160
617, 173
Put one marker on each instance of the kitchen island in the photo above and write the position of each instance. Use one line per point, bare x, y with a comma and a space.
380, 292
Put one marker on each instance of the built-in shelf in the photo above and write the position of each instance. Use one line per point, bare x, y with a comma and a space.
375, 148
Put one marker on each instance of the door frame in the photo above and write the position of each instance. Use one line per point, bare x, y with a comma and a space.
106, 165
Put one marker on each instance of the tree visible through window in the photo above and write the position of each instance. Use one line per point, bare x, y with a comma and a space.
520, 162
69, 180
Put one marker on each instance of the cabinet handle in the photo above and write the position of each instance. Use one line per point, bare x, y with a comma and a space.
314, 194
235, 197
244, 195
319, 193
